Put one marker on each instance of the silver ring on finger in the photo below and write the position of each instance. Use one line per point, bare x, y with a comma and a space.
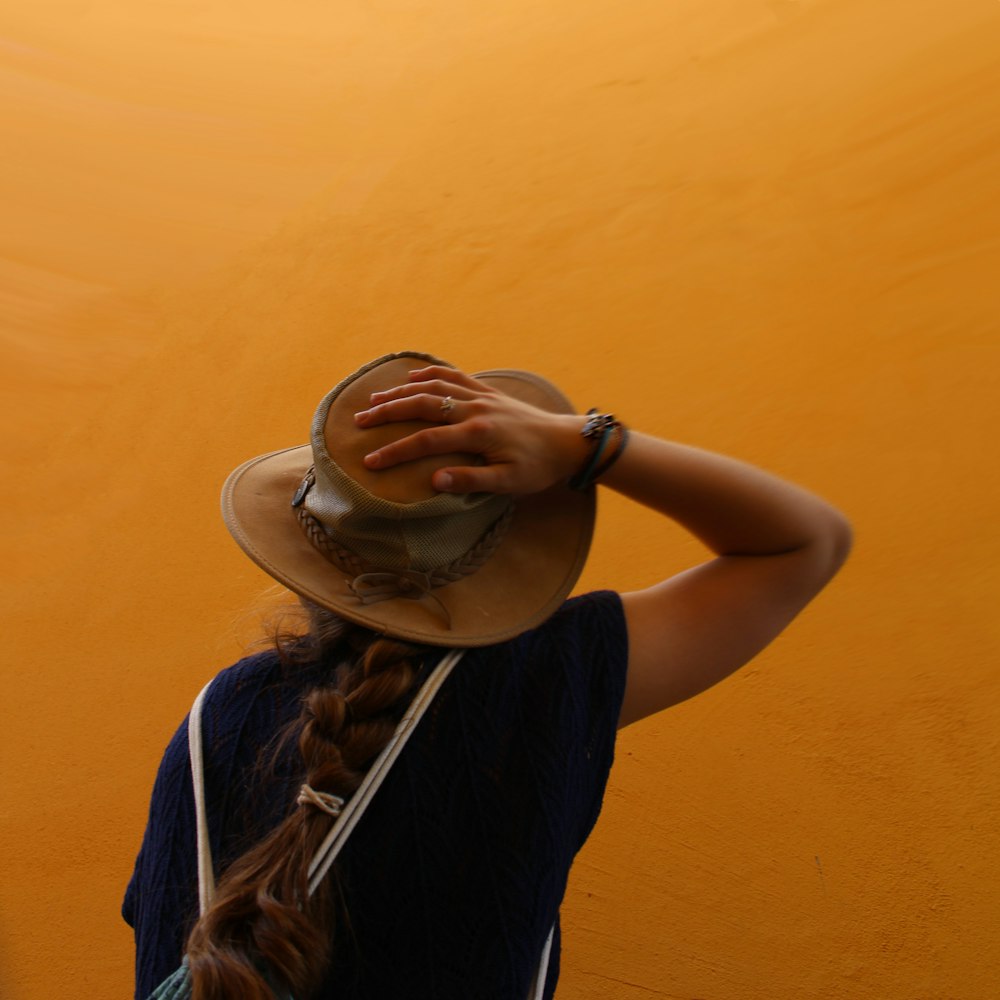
447, 405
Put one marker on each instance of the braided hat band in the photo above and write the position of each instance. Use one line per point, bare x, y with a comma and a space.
372, 583
387, 551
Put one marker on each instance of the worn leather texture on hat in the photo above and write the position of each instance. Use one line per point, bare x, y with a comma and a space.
392, 525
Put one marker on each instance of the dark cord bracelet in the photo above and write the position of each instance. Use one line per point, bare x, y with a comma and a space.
599, 428
615, 455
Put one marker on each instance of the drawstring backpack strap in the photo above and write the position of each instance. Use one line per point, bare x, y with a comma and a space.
177, 986
206, 878
328, 850
537, 988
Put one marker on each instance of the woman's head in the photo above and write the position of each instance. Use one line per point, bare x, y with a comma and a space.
387, 551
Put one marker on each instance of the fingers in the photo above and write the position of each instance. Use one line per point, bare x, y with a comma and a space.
455, 401
446, 439
473, 479
456, 479
434, 381
432, 387
419, 406
452, 376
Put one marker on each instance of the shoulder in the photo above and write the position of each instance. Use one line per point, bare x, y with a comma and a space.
587, 629
596, 608
232, 689
245, 678
588, 626
244, 704
237, 688
572, 665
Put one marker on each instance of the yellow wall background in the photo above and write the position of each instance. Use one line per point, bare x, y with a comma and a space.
768, 227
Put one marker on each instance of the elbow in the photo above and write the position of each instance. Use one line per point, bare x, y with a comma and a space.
817, 561
835, 542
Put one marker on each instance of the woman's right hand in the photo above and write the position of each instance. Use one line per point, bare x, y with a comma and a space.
525, 449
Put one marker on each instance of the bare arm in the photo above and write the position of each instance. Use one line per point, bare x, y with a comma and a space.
776, 544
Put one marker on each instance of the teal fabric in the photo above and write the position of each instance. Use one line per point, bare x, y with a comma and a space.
177, 986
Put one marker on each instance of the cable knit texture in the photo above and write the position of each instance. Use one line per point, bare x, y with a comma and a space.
455, 873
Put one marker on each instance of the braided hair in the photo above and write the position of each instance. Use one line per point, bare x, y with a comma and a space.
263, 932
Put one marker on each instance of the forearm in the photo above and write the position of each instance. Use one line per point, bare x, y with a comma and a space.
732, 507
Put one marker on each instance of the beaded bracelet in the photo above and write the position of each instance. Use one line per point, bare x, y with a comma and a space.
599, 428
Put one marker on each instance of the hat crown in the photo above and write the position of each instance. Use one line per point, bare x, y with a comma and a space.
392, 519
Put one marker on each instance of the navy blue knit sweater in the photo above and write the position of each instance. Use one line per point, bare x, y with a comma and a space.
455, 873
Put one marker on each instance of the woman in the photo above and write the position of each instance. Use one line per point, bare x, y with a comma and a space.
438, 510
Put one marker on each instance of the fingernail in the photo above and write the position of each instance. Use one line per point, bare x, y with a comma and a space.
444, 480
372, 460
360, 415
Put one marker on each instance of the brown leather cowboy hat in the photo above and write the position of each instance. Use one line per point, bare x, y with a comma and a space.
387, 551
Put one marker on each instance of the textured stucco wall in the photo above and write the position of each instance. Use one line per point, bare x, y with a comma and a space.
765, 227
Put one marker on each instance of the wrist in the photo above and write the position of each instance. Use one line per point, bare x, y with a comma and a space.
571, 451
608, 438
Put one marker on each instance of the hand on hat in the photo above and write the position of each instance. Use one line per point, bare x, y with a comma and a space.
525, 449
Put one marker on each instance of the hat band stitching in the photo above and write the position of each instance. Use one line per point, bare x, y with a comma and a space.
400, 583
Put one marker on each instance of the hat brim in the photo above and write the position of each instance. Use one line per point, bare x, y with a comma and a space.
528, 576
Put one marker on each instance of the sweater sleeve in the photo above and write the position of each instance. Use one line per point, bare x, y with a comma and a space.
161, 899
588, 640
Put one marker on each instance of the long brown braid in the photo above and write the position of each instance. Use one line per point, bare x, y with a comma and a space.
262, 917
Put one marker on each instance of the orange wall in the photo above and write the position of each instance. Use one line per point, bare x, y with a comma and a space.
767, 227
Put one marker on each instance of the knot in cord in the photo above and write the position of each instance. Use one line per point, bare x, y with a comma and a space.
324, 801
383, 585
